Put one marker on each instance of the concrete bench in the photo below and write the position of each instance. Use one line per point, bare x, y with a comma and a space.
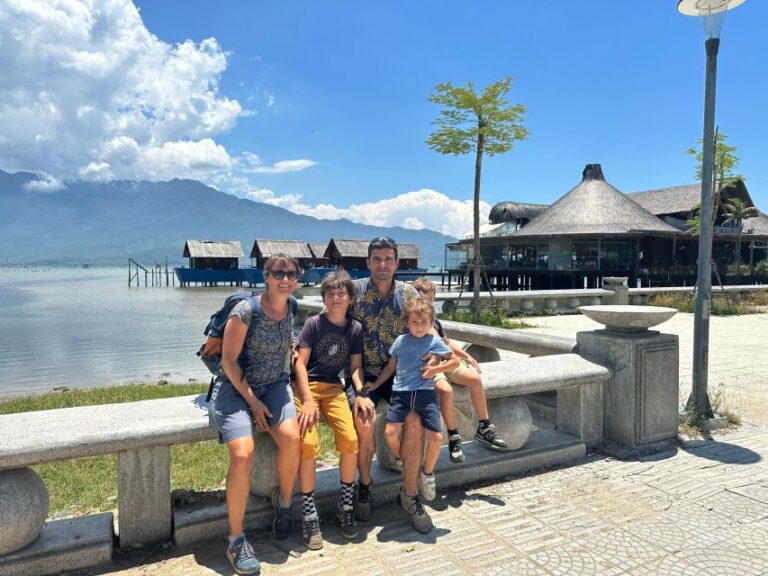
579, 387
141, 434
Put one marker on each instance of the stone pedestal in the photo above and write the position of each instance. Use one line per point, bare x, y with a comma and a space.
640, 404
616, 285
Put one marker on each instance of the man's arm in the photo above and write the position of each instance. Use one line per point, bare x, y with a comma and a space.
386, 374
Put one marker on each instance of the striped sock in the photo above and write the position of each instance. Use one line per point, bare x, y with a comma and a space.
347, 495
308, 504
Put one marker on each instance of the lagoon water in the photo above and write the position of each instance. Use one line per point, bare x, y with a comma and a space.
84, 328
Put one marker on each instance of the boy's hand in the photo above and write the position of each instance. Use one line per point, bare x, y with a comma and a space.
371, 386
308, 416
474, 363
428, 369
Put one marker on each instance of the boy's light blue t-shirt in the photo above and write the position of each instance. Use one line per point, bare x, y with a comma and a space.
409, 351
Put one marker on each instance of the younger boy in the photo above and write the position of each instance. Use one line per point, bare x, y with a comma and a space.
413, 388
467, 374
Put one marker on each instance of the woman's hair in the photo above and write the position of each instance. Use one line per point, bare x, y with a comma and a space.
424, 286
418, 307
337, 279
282, 258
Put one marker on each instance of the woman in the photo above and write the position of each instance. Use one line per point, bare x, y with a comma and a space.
256, 389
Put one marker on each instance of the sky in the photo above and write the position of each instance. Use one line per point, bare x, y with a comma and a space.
321, 106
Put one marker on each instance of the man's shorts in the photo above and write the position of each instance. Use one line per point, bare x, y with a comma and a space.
233, 417
384, 391
457, 374
423, 402
332, 402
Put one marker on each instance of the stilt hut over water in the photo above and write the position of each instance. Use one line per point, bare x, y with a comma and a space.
352, 254
264, 249
318, 253
213, 254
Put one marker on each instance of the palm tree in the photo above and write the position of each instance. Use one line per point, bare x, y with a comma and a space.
693, 224
736, 212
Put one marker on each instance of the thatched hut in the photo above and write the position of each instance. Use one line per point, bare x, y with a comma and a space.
263, 249
318, 249
352, 254
213, 254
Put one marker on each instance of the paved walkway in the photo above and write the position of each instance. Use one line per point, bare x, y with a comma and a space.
700, 508
738, 362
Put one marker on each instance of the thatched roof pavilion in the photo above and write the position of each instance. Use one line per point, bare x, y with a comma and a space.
519, 212
594, 207
263, 249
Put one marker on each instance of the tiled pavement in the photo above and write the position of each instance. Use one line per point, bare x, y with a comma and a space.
701, 508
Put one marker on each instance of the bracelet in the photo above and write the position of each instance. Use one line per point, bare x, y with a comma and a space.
362, 393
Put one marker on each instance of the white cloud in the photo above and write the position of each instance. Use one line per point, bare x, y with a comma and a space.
45, 183
253, 164
86, 90
414, 210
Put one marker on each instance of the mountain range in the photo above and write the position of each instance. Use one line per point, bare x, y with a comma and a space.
109, 222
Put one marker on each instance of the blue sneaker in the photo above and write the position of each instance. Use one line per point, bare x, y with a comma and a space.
242, 557
283, 521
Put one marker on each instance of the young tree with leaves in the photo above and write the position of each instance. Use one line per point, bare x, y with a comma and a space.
735, 214
483, 123
724, 167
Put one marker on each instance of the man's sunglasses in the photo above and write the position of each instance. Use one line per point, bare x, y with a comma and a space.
382, 242
281, 274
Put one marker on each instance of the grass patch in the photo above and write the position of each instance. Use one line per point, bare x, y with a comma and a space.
488, 317
89, 485
720, 307
718, 399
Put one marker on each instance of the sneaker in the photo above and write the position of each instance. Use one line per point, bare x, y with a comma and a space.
310, 532
363, 501
489, 438
283, 521
415, 510
346, 517
427, 488
454, 448
242, 557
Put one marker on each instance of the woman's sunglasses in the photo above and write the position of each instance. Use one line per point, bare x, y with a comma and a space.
280, 274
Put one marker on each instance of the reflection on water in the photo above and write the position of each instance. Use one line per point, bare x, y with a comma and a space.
85, 328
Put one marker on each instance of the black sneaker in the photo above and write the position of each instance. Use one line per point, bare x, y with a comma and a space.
489, 438
283, 521
346, 518
363, 501
454, 448
310, 532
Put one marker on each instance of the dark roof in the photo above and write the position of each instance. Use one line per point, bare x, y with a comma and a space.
293, 248
511, 211
352, 248
594, 207
212, 249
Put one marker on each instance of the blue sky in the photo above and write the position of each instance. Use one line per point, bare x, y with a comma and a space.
321, 106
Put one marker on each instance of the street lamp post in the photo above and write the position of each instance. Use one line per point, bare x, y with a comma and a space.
712, 13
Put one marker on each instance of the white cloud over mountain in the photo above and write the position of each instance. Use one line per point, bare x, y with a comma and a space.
418, 209
88, 92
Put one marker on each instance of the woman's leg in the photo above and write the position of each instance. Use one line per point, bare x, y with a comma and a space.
286, 436
238, 484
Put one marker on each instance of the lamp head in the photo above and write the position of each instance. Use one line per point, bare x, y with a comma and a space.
712, 13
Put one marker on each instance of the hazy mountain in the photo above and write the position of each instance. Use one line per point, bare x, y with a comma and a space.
106, 223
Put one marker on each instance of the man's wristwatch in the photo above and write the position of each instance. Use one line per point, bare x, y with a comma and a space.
363, 393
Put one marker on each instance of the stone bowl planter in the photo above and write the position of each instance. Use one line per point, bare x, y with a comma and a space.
626, 318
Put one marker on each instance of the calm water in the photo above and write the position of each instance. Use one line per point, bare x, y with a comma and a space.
85, 328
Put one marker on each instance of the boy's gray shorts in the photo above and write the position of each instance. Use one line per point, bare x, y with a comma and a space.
232, 416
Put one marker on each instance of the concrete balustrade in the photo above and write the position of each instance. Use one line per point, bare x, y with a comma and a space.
141, 434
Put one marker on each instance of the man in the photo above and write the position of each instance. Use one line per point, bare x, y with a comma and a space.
378, 306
